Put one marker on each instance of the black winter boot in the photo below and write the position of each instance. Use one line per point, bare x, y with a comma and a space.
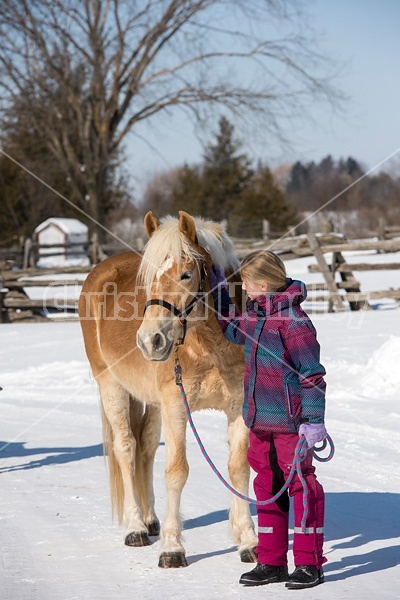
263, 574
305, 576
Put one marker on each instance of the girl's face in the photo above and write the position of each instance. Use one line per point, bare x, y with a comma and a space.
254, 288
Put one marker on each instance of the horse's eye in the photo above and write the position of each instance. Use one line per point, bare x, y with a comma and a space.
186, 275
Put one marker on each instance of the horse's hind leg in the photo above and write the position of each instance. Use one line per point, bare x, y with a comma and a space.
239, 471
147, 430
121, 449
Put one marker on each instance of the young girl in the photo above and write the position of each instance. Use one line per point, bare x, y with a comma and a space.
284, 399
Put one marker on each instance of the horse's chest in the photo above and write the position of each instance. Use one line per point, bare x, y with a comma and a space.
214, 389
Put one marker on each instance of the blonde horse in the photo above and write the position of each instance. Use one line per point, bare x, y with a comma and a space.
133, 311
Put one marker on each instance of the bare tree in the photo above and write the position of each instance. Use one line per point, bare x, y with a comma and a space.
106, 65
158, 193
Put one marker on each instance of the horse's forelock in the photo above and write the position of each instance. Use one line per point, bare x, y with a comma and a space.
168, 242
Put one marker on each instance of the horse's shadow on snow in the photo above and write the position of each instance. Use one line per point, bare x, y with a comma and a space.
51, 455
355, 520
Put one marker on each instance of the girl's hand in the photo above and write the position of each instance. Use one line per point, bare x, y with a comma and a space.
217, 277
313, 432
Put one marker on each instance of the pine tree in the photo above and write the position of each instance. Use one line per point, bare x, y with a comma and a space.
188, 192
27, 201
226, 173
264, 199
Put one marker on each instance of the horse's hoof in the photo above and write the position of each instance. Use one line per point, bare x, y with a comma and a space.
172, 560
153, 528
248, 555
137, 539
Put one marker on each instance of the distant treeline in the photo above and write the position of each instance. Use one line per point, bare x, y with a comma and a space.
343, 187
225, 185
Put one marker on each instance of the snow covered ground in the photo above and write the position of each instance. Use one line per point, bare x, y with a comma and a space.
57, 538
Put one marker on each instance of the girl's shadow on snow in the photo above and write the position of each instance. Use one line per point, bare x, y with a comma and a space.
361, 518
357, 518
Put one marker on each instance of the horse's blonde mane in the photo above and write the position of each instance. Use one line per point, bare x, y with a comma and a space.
168, 241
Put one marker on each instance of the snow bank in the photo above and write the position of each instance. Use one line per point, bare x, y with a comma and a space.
47, 262
382, 376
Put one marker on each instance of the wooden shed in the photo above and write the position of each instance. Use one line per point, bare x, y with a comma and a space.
65, 241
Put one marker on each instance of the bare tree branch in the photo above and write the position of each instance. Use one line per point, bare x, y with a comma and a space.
106, 65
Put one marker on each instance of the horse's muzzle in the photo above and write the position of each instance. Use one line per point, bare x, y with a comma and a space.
155, 346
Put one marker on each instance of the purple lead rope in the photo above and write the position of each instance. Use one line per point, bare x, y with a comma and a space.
299, 455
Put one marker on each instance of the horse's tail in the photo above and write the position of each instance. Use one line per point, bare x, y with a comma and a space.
116, 483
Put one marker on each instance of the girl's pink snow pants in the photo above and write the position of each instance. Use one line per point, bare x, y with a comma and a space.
271, 457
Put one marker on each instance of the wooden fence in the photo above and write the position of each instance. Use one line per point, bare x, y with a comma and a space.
15, 303
28, 253
288, 247
340, 285
387, 232
348, 289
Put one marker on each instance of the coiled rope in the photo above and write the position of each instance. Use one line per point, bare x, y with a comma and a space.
299, 455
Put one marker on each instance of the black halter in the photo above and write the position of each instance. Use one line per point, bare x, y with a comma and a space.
181, 315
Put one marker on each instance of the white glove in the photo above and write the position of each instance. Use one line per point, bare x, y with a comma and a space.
313, 432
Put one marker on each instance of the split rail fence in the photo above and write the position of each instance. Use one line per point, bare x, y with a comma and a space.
340, 286
15, 303
348, 288
339, 281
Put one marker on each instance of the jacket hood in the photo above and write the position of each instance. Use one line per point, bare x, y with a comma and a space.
293, 295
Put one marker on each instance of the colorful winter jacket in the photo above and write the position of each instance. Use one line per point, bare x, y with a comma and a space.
284, 380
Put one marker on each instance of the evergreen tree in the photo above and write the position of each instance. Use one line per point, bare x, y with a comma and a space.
27, 201
226, 187
351, 167
300, 176
263, 199
226, 173
326, 167
188, 192
12, 205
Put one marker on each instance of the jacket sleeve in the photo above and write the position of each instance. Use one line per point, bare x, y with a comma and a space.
232, 323
303, 347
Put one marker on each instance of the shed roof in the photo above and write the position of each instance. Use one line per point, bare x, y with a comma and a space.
68, 226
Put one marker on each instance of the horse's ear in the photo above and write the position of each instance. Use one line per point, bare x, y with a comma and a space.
187, 226
150, 223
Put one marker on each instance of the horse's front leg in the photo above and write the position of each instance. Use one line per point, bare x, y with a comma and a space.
239, 472
176, 474
149, 439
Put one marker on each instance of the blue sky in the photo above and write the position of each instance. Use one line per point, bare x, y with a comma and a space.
363, 35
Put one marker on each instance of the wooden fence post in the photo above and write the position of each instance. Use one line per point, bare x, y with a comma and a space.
335, 297
382, 228
2, 315
27, 259
265, 229
352, 284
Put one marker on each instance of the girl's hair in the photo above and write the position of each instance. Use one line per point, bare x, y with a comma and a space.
264, 266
